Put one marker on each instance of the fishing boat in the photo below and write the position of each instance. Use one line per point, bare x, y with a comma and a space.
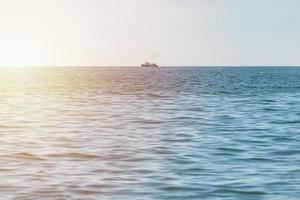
148, 64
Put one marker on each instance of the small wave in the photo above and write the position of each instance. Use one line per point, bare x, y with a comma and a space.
84, 191
228, 191
229, 149
269, 100
257, 159
8, 126
271, 109
286, 122
27, 156
73, 155
179, 188
287, 152
147, 121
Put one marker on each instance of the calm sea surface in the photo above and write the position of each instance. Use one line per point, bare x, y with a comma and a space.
138, 133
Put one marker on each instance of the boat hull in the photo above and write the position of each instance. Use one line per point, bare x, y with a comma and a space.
152, 65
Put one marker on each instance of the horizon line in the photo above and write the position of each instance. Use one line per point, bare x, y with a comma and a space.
33, 66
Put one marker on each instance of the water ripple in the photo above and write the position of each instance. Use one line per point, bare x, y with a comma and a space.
134, 133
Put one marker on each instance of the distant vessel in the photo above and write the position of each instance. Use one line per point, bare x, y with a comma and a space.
148, 64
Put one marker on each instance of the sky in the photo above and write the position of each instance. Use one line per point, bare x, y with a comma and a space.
169, 32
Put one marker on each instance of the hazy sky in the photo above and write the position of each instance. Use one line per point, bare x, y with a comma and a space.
170, 32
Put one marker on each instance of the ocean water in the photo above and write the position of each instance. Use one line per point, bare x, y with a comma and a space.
150, 133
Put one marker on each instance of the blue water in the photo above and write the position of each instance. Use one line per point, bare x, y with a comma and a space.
156, 133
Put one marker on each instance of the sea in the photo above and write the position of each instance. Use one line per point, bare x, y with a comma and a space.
133, 133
